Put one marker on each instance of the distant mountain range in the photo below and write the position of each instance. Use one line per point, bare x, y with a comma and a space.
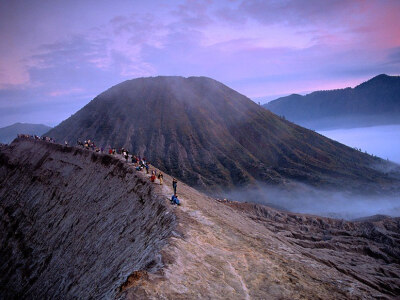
9, 133
212, 137
374, 102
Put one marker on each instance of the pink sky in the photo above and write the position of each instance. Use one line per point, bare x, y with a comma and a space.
58, 55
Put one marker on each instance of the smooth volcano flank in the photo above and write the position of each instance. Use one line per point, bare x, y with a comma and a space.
213, 138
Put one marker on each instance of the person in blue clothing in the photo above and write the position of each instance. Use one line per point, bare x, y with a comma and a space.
175, 200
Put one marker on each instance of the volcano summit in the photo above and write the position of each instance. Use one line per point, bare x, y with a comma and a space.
210, 136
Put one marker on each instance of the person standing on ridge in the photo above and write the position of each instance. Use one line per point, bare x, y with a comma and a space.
174, 184
160, 177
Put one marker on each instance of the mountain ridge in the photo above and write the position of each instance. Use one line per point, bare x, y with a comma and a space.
374, 102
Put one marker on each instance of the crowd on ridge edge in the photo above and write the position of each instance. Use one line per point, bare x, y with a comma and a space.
140, 163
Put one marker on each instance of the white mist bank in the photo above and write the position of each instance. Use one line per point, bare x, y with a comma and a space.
382, 141
308, 200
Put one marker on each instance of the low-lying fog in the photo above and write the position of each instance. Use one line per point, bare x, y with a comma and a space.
309, 200
382, 141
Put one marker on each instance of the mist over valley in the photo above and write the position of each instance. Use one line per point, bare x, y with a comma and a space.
305, 199
382, 141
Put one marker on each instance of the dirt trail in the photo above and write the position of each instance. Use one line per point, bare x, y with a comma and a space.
219, 252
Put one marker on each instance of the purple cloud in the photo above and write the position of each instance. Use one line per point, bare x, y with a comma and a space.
73, 51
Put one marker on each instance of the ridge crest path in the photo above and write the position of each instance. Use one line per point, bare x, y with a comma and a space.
224, 252
94, 218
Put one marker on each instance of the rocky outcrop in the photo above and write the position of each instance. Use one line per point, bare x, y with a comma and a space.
75, 224
368, 251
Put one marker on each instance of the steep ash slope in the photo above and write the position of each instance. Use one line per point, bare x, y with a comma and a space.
208, 135
78, 225
74, 224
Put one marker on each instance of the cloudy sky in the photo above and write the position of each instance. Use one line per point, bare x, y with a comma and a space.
57, 55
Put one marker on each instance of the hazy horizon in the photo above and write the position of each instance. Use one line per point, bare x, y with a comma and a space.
259, 100
77, 49
382, 141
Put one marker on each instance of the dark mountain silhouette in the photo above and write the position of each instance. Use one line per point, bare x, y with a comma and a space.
208, 135
8, 134
375, 102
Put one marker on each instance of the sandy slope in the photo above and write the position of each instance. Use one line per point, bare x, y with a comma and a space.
75, 224
226, 251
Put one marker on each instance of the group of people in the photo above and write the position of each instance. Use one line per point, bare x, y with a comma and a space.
139, 162
143, 164
154, 175
36, 137
88, 144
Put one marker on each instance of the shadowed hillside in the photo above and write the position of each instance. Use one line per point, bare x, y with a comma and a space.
210, 136
375, 102
75, 224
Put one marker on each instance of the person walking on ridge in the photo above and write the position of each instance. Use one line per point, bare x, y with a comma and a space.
174, 184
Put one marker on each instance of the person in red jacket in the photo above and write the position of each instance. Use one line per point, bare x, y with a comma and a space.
153, 177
